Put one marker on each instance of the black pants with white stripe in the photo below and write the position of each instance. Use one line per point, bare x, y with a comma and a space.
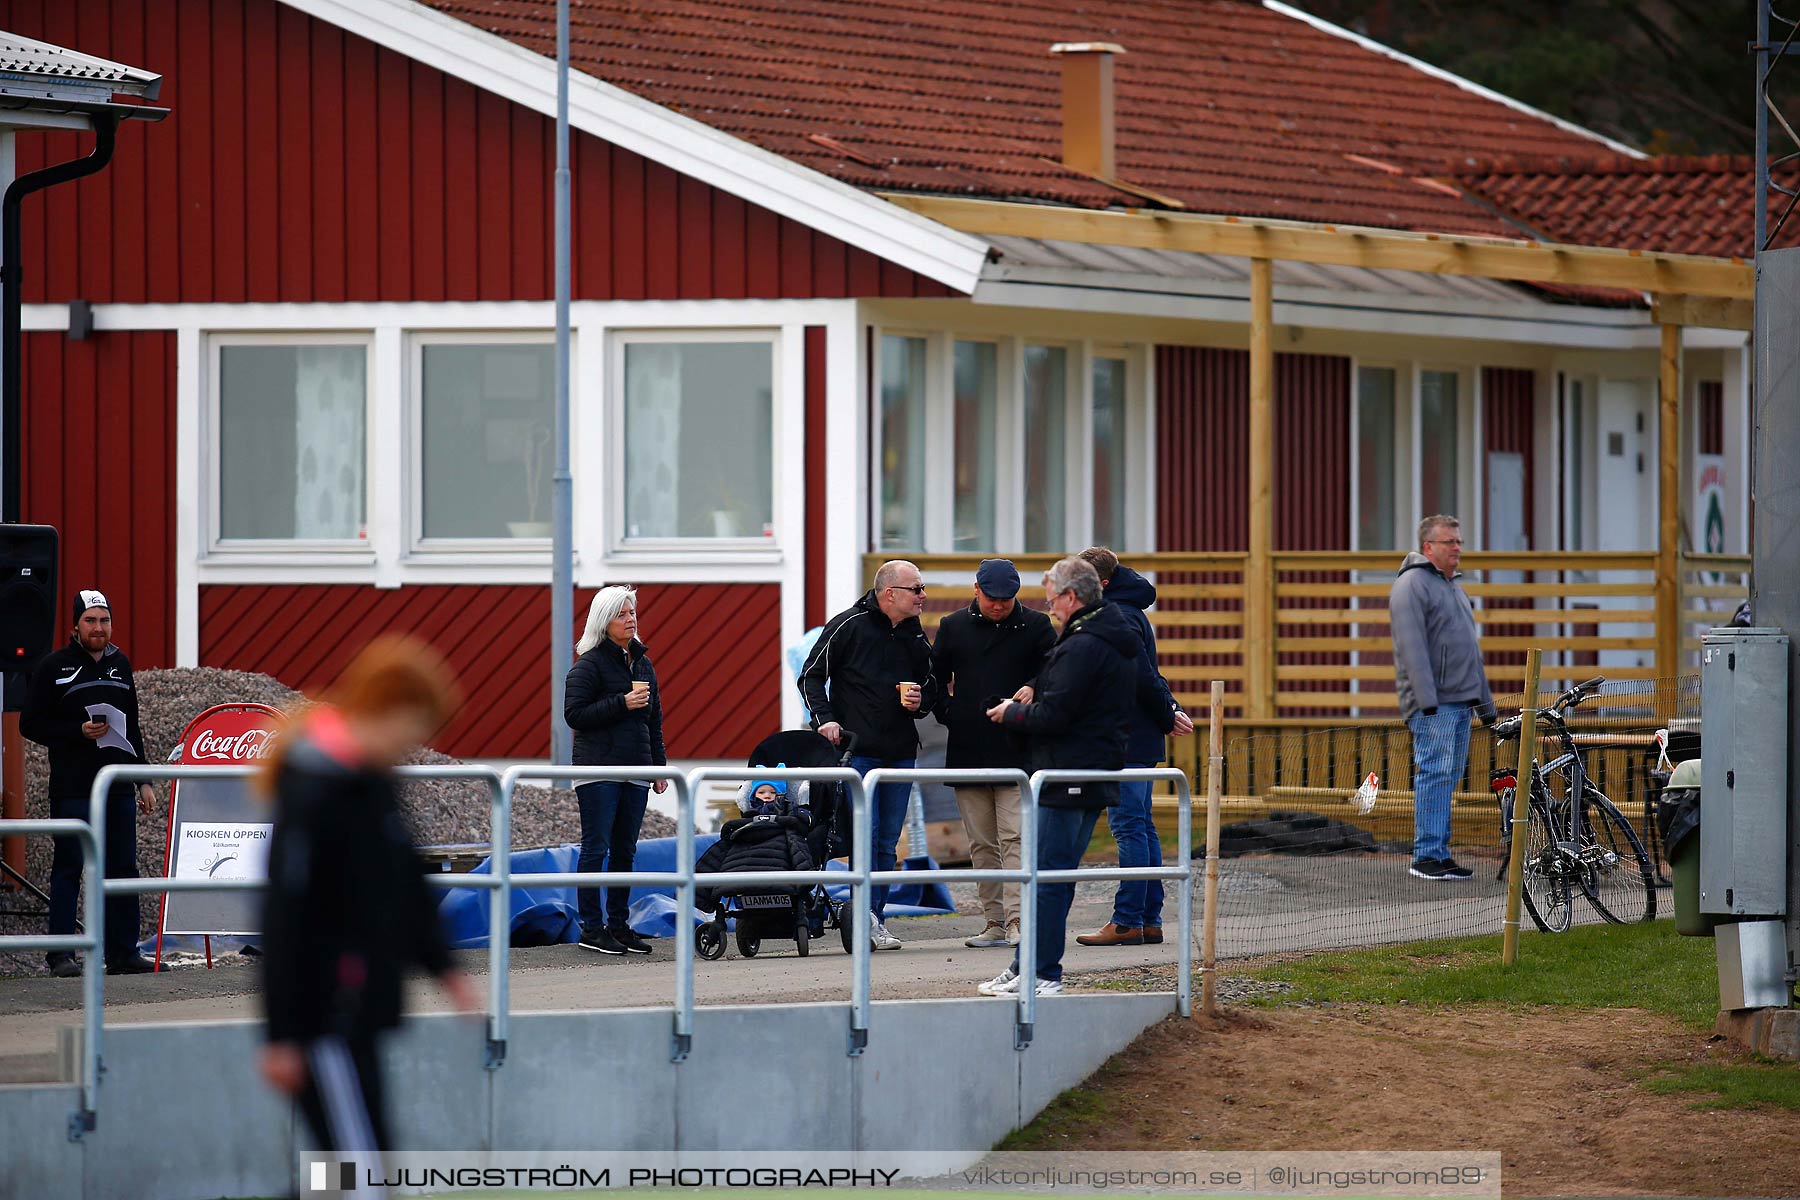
342, 1100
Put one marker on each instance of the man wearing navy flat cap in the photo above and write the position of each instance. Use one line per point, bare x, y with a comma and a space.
984, 653
82, 705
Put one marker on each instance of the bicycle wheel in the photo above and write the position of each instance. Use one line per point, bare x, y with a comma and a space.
1615, 872
1546, 889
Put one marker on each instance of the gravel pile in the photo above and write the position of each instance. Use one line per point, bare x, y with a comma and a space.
442, 811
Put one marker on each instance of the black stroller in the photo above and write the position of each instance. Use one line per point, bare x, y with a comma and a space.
808, 826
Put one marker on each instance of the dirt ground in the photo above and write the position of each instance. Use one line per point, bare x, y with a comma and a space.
1556, 1093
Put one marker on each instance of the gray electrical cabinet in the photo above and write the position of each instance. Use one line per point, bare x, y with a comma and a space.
1743, 772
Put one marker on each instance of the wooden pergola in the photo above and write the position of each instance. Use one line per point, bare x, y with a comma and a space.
1686, 289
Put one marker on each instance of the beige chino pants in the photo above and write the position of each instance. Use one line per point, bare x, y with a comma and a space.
990, 813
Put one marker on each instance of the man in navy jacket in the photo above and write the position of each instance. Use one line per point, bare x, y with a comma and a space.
1076, 720
82, 706
1137, 904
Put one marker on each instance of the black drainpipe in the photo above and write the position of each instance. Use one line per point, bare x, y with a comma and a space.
105, 125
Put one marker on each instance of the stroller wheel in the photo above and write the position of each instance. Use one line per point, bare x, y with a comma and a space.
748, 943
802, 935
709, 941
842, 912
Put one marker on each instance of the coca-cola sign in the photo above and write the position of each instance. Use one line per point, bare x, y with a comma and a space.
233, 733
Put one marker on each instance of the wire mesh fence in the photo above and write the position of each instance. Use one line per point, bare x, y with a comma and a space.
1302, 867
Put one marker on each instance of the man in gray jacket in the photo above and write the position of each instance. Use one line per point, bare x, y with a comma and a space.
1438, 674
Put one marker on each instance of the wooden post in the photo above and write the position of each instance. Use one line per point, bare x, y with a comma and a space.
1668, 498
1259, 572
1521, 808
1215, 783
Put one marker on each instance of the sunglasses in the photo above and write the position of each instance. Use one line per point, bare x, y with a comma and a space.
917, 589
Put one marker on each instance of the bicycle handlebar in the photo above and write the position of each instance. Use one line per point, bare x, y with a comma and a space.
1505, 731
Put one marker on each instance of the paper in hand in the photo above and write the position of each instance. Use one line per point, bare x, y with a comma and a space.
114, 736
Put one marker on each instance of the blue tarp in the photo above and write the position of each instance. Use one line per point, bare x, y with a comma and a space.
546, 916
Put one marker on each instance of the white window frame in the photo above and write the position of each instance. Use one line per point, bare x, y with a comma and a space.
1467, 454
1009, 431
345, 551
1404, 486
641, 551
418, 546
1132, 516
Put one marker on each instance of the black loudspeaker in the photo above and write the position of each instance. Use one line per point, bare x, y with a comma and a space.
27, 595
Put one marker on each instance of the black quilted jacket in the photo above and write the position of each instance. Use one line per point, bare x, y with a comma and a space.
765, 843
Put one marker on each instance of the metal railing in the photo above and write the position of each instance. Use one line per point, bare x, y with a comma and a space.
88, 941
498, 881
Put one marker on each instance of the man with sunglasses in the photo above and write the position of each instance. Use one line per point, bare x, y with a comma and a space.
1440, 681
869, 675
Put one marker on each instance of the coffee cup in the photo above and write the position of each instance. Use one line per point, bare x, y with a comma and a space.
639, 686
901, 688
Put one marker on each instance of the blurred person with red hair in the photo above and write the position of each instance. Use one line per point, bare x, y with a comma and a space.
347, 909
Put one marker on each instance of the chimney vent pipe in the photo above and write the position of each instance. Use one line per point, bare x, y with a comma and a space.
1087, 106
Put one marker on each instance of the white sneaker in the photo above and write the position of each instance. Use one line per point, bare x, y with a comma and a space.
1006, 983
879, 937
993, 935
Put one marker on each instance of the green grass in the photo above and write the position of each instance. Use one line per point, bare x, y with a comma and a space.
1602, 966
1731, 1085
1078, 1109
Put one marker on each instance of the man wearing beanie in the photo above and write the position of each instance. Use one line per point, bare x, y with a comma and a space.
82, 706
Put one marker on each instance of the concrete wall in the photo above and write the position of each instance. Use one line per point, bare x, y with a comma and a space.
183, 1115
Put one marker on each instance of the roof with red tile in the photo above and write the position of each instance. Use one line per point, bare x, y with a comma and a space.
1229, 106
1682, 205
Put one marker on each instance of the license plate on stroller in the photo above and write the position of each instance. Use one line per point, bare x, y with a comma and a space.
770, 900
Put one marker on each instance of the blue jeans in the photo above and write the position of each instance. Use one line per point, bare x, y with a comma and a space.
888, 819
1138, 902
611, 815
1440, 752
1063, 836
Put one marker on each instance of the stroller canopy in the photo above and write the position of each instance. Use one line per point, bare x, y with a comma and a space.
796, 748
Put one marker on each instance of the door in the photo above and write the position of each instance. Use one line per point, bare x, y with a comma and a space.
1625, 500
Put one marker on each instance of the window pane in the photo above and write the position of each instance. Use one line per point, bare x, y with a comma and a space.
1046, 418
487, 425
977, 397
1437, 443
1109, 452
1375, 458
699, 439
902, 443
291, 442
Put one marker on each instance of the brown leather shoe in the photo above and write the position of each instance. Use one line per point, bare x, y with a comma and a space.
1113, 935
1153, 935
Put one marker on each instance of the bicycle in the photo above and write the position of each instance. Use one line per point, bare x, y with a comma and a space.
1575, 838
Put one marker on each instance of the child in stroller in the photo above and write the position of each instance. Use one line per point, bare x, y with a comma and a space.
783, 826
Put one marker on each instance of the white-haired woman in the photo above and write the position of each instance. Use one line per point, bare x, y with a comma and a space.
612, 702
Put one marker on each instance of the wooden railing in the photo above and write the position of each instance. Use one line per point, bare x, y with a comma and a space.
1319, 648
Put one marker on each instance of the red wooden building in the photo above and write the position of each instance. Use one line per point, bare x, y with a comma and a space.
316, 401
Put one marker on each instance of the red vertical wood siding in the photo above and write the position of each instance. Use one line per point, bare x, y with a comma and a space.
1712, 417
717, 650
814, 598
292, 144
1203, 471
99, 420
1508, 404
1203, 450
